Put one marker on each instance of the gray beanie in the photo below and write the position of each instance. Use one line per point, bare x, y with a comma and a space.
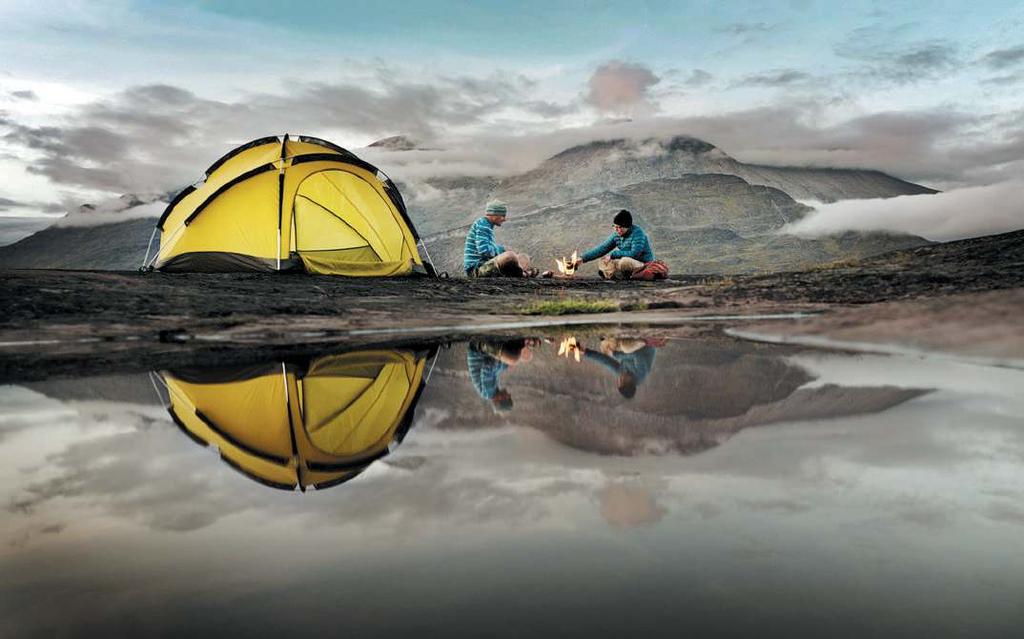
497, 207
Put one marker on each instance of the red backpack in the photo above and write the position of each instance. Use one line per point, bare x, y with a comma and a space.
656, 270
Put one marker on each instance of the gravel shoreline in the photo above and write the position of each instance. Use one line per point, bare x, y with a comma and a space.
68, 320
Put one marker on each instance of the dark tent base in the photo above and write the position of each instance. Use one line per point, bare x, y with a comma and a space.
219, 262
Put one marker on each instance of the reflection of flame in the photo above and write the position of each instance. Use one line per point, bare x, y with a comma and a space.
569, 348
567, 266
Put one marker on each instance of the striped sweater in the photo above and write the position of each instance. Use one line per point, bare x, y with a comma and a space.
480, 245
484, 370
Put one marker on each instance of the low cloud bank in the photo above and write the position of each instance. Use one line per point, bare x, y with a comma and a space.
115, 209
954, 215
106, 216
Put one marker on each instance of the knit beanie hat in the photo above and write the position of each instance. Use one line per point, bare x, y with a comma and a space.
497, 207
623, 218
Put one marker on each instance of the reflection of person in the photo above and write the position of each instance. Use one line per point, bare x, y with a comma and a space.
483, 257
486, 361
626, 251
630, 359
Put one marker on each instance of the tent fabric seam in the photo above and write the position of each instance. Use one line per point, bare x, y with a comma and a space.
366, 166
252, 144
339, 218
342, 193
222, 189
280, 461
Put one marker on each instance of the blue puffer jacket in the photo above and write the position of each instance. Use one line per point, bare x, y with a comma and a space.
633, 244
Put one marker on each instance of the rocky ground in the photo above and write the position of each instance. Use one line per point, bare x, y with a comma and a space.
58, 322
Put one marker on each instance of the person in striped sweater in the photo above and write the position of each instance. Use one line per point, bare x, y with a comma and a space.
486, 362
483, 257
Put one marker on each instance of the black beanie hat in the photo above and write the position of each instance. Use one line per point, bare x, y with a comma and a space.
623, 218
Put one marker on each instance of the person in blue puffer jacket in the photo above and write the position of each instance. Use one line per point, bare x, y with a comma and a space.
625, 252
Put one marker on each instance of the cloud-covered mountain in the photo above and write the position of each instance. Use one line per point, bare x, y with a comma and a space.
438, 204
117, 246
394, 143
706, 211
697, 396
598, 166
699, 223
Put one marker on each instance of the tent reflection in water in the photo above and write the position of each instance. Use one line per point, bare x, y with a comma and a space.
277, 204
287, 425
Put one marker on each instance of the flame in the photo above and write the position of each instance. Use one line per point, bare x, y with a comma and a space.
570, 348
567, 266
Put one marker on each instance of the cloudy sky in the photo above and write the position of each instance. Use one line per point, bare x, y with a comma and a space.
105, 97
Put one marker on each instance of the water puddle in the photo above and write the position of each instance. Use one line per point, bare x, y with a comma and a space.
580, 484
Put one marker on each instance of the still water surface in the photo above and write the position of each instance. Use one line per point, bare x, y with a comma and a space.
628, 485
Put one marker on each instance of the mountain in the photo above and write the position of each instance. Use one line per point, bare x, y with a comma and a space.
705, 211
611, 164
393, 143
697, 396
698, 223
118, 246
14, 228
440, 203
110, 235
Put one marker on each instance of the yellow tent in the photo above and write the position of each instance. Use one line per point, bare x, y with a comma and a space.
286, 425
280, 204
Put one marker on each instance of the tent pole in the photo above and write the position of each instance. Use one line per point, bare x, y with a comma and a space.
149, 247
431, 370
159, 395
173, 236
291, 427
280, 196
427, 253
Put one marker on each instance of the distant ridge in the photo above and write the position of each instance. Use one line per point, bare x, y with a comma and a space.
394, 143
119, 246
609, 164
698, 223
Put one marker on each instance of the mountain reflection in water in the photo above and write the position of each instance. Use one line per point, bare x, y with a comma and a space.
651, 486
614, 400
322, 421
